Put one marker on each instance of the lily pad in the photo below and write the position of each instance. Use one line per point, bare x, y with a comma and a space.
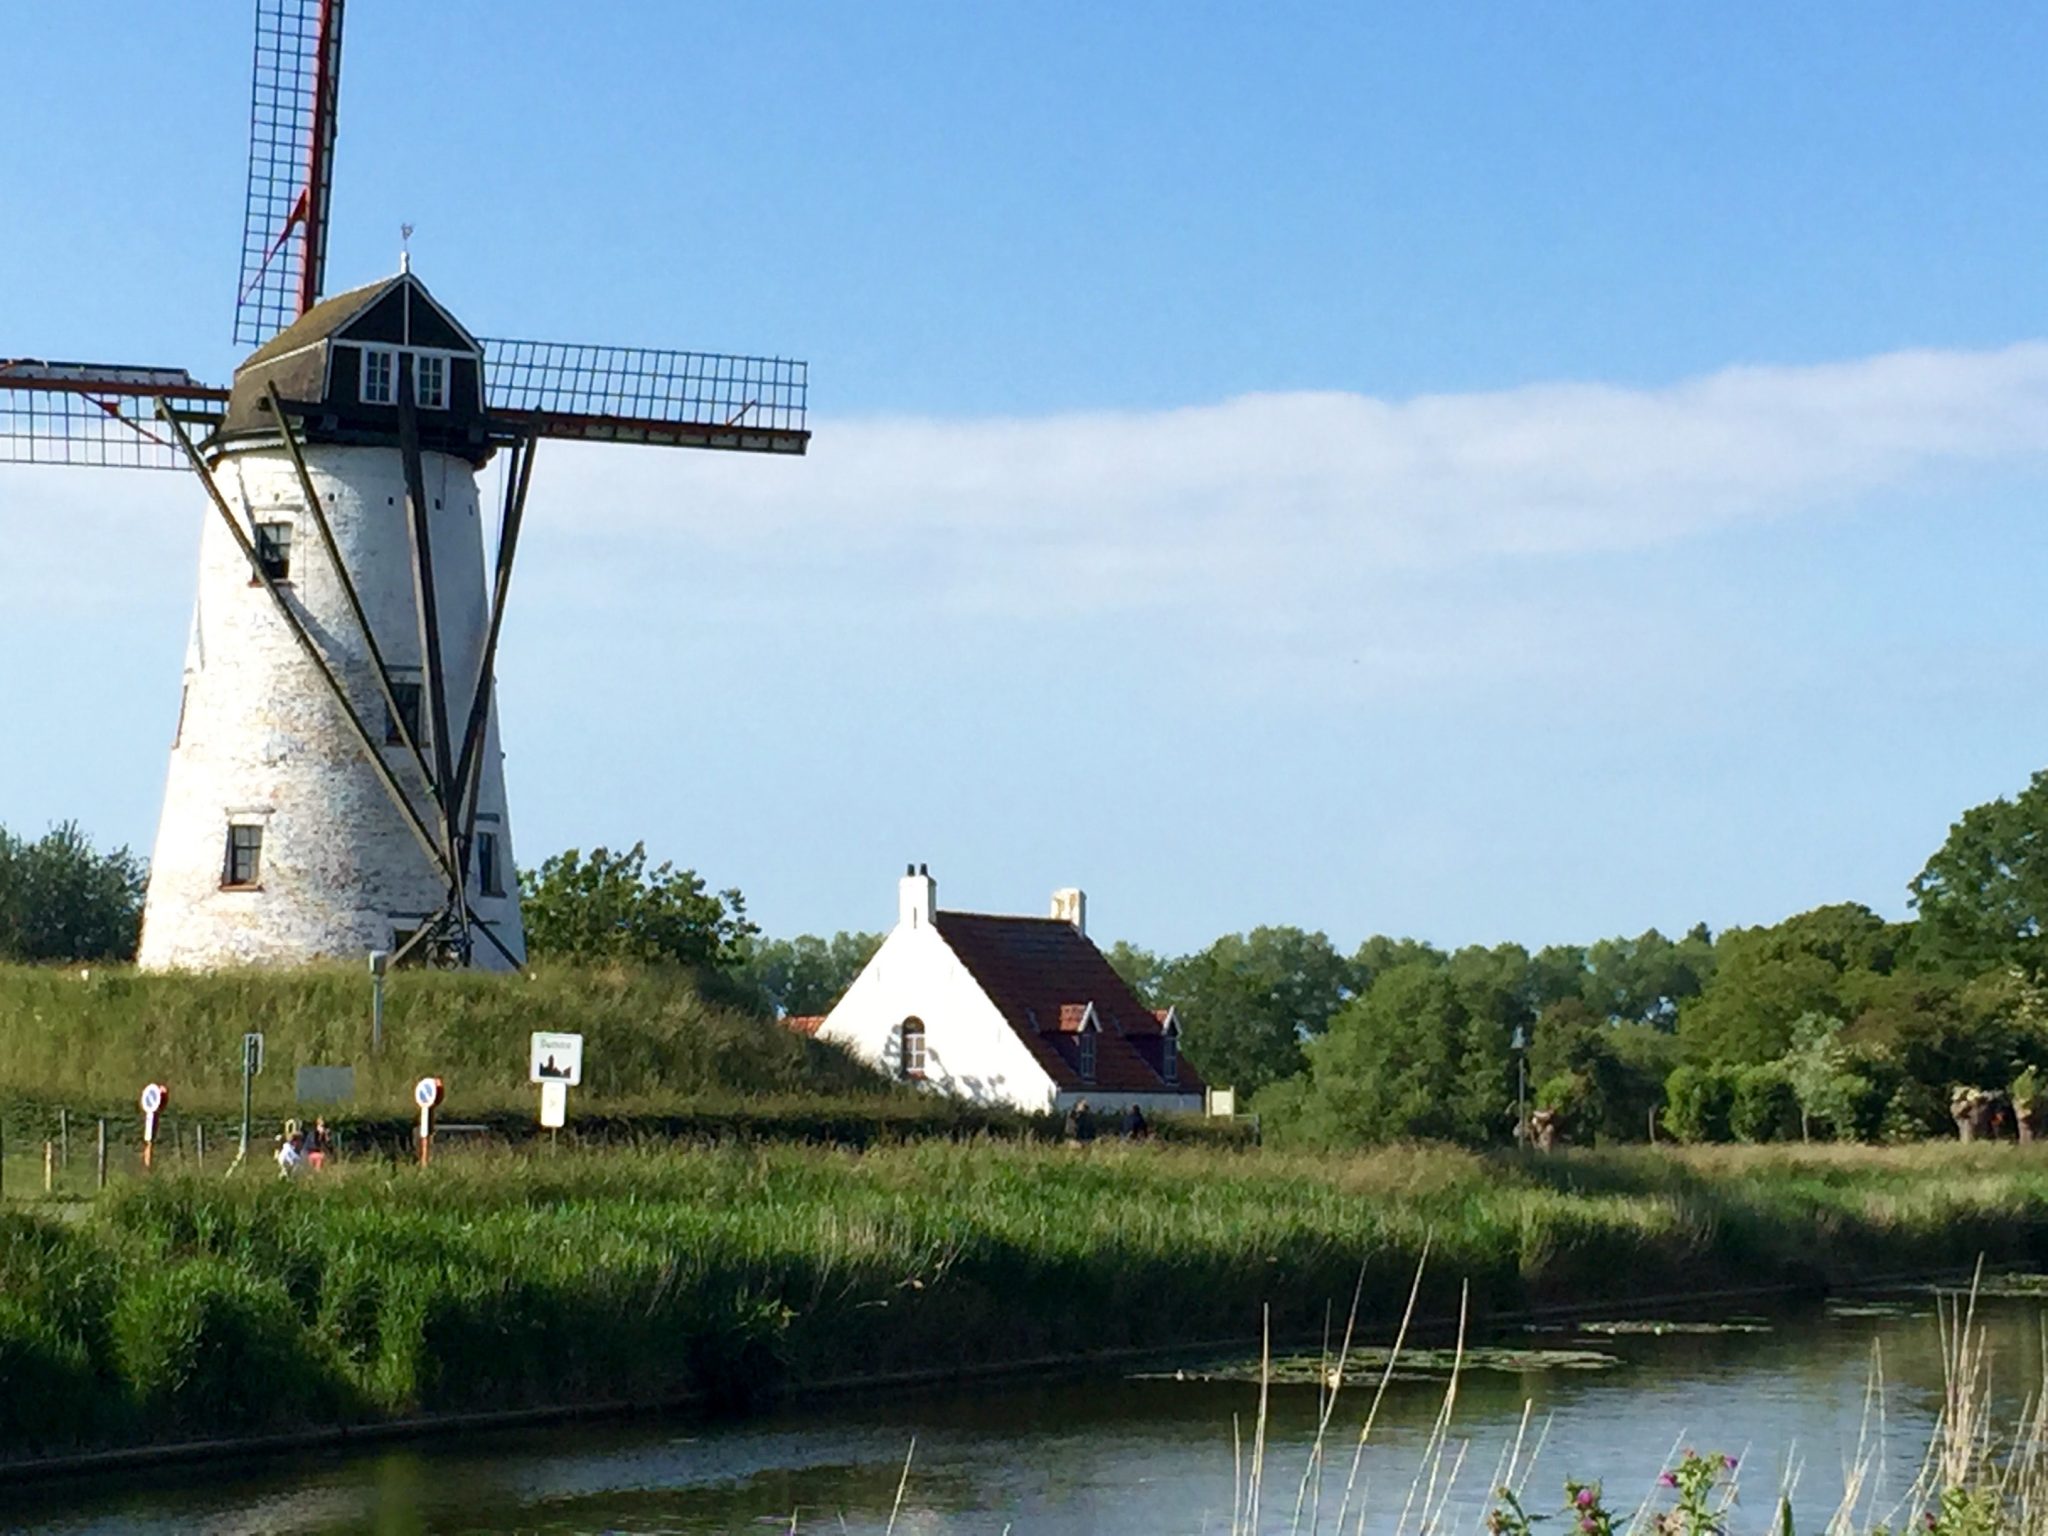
1657, 1327
1412, 1365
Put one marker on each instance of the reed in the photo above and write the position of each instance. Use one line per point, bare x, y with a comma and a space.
504, 1280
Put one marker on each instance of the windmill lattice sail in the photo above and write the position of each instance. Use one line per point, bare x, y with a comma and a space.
99, 414
647, 395
291, 164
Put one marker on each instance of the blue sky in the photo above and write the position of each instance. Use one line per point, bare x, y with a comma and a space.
1473, 471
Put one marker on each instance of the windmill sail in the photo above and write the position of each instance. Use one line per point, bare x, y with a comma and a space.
99, 414
643, 395
291, 164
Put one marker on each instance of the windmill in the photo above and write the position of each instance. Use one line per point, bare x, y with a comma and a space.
335, 781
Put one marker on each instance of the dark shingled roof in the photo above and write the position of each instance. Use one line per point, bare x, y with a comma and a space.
322, 320
1042, 972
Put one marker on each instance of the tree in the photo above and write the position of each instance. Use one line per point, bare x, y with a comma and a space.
1143, 970
1825, 961
1697, 1101
1829, 1090
1248, 1001
611, 907
806, 974
62, 900
1983, 897
1406, 1059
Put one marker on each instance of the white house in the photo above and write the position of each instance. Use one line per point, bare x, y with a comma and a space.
1009, 1010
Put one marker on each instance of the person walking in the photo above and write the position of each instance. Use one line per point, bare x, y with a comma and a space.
291, 1153
317, 1142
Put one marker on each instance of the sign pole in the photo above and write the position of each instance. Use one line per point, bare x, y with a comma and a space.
380, 960
427, 1093
154, 1097
252, 1063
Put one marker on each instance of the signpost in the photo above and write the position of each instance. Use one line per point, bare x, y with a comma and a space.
556, 1063
252, 1063
427, 1094
154, 1097
380, 961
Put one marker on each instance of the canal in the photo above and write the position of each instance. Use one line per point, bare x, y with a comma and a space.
1787, 1395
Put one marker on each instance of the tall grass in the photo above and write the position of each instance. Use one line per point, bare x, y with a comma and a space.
94, 1035
503, 1281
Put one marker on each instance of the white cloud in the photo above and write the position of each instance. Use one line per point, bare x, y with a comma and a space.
1282, 496
1269, 507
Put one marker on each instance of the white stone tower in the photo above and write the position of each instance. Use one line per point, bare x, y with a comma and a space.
295, 826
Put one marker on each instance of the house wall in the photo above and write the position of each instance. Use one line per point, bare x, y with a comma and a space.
262, 739
971, 1051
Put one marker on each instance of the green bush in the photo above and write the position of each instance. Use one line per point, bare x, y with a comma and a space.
203, 1345
1764, 1107
1698, 1101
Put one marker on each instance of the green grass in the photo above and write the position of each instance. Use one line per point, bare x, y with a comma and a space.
92, 1036
502, 1280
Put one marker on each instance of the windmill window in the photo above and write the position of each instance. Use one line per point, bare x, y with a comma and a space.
407, 697
380, 365
912, 1050
430, 382
242, 870
1085, 1049
490, 875
1169, 1058
274, 550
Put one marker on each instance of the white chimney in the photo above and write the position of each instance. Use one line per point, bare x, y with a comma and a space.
1071, 906
917, 893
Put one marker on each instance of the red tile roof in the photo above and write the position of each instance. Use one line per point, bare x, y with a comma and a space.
803, 1023
1042, 973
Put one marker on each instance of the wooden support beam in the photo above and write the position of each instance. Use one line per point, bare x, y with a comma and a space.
468, 767
433, 674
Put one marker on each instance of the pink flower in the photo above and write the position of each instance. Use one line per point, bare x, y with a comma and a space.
1669, 1479
1585, 1498
1728, 1462
1589, 1524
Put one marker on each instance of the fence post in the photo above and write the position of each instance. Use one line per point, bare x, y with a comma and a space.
49, 1166
199, 1141
64, 1135
102, 1157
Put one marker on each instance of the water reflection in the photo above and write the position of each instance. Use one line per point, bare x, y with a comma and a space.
1077, 1457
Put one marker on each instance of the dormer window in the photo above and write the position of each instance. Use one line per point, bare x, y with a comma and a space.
380, 374
1085, 1050
1169, 1057
430, 381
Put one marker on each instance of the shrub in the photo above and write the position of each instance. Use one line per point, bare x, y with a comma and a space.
1764, 1107
1698, 1103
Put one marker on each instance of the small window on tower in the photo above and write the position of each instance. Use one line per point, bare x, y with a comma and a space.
407, 697
380, 367
1169, 1058
430, 382
490, 875
243, 870
1085, 1049
274, 550
911, 1057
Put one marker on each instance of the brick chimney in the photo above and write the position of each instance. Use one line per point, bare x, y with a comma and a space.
1071, 906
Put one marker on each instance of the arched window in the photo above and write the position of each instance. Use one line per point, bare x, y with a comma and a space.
911, 1056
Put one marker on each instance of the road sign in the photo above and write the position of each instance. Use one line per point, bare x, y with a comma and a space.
557, 1059
427, 1092
325, 1085
554, 1105
252, 1054
153, 1099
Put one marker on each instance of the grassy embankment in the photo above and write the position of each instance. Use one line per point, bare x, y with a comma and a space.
180, 1307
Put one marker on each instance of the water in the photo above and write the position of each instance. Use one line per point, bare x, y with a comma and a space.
1114, 1454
